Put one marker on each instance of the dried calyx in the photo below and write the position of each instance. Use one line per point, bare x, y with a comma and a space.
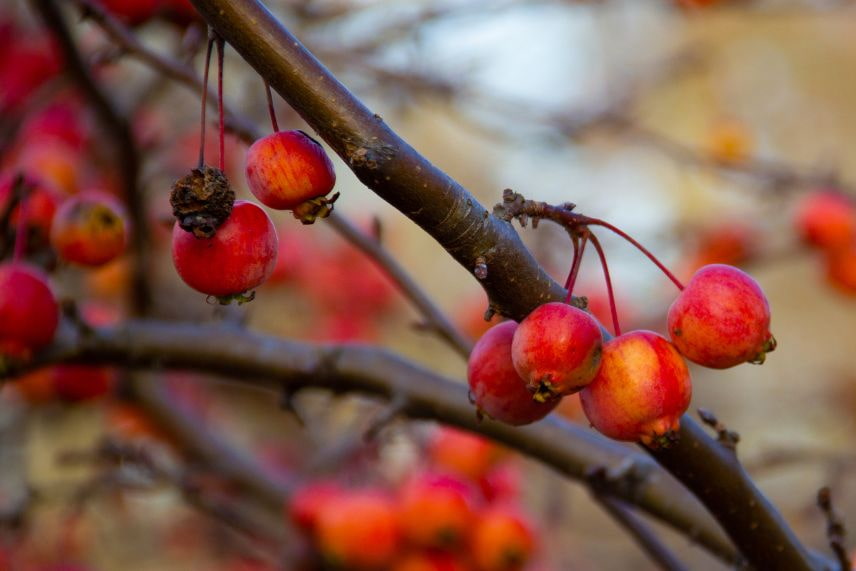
201, 201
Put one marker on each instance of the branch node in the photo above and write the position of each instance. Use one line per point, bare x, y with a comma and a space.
727, 438
480, 269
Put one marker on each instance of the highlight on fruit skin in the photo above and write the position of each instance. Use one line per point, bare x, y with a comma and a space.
721, 319
641, 390
238, 258
496, 387
90, 229
289, 170
556, 349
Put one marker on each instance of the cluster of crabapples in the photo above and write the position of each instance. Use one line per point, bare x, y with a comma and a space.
458, 512
287, 170
635, 386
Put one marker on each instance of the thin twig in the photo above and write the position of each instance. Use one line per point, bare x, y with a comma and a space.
835, 530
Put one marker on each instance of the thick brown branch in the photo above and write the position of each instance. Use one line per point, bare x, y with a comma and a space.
271, 362
515, 283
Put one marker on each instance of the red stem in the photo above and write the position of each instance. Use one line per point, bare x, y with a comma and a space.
576, 242
271, 109
640, 247
221, 52
612, 308
204, 102
575, 269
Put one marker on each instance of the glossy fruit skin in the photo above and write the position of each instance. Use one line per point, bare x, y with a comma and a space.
436, 511
288, 168
239, 257
826, 219
360, 531
29, 313
556, 350
497, 389
90, 229
721, 318
503, 540
642, 389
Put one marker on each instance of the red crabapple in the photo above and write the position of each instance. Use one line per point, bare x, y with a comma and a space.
496, 387
360, 531
289, 170
42, 201
436, 511
841, 269
721, 319
556, 349
29, 313
503, 540
90, 229
239, 257
826, 219
642, 389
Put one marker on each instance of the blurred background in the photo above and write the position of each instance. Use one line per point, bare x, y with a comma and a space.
707, 130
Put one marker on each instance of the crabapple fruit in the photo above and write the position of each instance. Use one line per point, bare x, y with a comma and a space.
495, 385
29, 313
239, 257
721, 318
289, 170
641, 390
556, 349
90, 229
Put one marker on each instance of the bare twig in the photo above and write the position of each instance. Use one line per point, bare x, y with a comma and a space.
835, 530
728, 438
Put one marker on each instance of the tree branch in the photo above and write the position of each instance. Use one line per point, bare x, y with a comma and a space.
514, 282
270, 362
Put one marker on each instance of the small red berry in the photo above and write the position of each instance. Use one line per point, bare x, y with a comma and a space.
360, 531
841, 269
437, 511
309, 501
496, 387
239, 257
289, 170
78, 383
42, 201
463, 453
430, 561
90, 229
503, 540
642, 389
556, 350
721, 319
29, 313
826, 219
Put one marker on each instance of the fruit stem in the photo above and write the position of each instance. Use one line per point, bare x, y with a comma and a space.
612, 309
204, 102
575, 266
271, 110
221, 53
20, 188
640, 247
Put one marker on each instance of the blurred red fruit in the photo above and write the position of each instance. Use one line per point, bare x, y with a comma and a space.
841, 269
826, 219
436, 511
307, 503
463, 453
90, 229
132, 12
426, 561
28, 61
360, 531
503, 540
42, 202
29, 313
61, 122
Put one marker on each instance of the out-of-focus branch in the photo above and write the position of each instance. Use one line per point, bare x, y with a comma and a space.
276, 363
127, 155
